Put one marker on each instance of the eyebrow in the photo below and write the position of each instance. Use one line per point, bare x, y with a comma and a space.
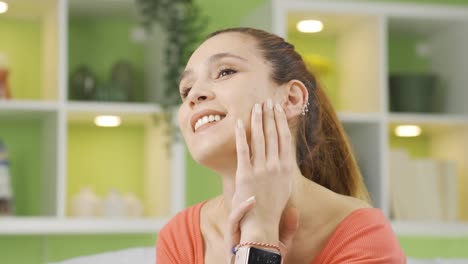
212, 59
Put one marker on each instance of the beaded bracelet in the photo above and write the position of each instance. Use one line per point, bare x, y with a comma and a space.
265, 245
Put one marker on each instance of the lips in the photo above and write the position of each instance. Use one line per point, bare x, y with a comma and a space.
202, 113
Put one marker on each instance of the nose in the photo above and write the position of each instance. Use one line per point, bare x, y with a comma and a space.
199, 95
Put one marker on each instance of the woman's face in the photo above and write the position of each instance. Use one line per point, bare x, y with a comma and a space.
222, 81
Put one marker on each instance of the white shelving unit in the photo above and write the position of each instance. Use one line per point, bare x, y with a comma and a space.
162, 177
358, 35
361, 33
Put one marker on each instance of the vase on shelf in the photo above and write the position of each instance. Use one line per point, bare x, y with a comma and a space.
133, 206
86, 204
415, 93
113, 205
120, 86
83, 84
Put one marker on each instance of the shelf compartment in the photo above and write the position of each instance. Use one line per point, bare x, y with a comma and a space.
350, 79
32, 147
367, 147
440, 139
67, 226
130, 158
29, 33
99, 37
432, 45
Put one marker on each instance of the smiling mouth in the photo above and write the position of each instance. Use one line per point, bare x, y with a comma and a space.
207, 121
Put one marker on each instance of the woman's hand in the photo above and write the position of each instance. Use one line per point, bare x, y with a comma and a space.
266, 174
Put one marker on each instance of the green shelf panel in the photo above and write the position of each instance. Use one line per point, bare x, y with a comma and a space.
64, 247
45, 249
202, 183
22, 249
22, 45
402, 56
435, 247
417, 147
23, 142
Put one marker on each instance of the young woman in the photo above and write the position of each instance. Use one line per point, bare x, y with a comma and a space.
292, 191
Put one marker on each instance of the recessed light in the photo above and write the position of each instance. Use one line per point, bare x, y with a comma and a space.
310, 26
408, 131
107, 121
3, 7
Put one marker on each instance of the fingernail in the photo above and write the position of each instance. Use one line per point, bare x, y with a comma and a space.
240, 124
251, 198
279, 108
270, 104
258, 108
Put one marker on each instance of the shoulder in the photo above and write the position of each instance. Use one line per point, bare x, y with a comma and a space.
179, 241
364, 236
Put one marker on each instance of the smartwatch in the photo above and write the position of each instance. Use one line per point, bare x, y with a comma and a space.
254, 255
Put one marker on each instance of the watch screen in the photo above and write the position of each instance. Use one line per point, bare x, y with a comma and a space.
260, 256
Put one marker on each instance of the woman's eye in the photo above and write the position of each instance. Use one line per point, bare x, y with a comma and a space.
226, 72
184, 92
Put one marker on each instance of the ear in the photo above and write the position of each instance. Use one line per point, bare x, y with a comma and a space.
296, 96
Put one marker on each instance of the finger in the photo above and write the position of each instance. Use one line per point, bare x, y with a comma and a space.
288, 227
232, 235
243, 155
269, 130
257, 139
284, 134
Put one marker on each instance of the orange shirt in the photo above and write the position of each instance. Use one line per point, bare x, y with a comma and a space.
364, 236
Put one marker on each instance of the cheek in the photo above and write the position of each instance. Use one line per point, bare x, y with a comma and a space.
248, 88
182, 117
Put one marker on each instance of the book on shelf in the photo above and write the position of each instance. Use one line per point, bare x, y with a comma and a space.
399, 183
426, 191
422, 189
449, 190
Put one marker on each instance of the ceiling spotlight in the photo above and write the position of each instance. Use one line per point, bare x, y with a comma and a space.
3, 7
408, 131
310, 26
107, 121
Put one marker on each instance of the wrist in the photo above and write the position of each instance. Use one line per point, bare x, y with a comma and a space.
251, 232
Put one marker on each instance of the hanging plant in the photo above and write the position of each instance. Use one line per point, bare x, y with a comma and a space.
185, 26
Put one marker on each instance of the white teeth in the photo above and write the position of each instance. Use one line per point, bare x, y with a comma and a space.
207, 119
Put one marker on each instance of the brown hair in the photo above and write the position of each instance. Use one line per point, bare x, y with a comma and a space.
323, 152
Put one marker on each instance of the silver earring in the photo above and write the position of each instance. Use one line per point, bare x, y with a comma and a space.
306, 108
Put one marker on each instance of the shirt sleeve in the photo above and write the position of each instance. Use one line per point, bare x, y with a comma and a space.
180, 240
366, 237
166, 251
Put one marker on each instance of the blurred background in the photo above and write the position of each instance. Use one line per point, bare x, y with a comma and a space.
90, 157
